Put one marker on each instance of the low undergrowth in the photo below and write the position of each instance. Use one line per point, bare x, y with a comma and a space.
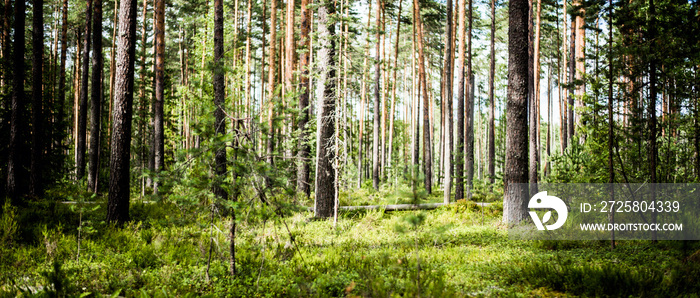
458, 250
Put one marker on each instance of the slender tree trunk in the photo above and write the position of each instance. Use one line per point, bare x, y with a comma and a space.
111, 69
247, 94
17, 159
653, 89
76, 90
447, 98
62, 76
142, 106
377, 102
325, 155
534, 106
572, 71
6, 41
516, 135
560, 76
393, 88
35, 179
492, 102
469, 117
289, 46
427, 143
547, 164
611, 134
158, 132
363, 95
96, 95
271, 87
118, 205
580, 61
303, 168
83, 104
459, 157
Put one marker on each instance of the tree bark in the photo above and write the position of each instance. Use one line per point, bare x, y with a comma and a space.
325, 155
393, 87
289, 46
572, 71
580, 59
447, 93
534, 107
469, 117
247, 94
611, 134
96, 95
158, 132
62, 76
363, 96
83, 101
35, 178
118, 205
111, 69
303, 168
492, 102
17, 160
459, 157
6, 42
516, 108
427, 143
271, 87
377, 102
653, 149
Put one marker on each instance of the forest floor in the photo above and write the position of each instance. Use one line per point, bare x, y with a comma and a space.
458, 250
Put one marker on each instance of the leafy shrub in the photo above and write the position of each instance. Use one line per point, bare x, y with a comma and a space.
607, 279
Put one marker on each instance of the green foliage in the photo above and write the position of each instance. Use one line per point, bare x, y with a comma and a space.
8, 225
606, 279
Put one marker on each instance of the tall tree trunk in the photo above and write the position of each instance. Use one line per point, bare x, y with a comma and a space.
611, 135
17, 159
492, 102
247, 94
62, 76
83, 101
534, 106
427, 143
393, 87
118, 205
363, 96
111, 69
303, 168
35, 179
469, 117
76, 89
382, 142
271, 87
142, 104
561, 74
6, 53
289, 47
547, 164
158, 134
653, 149
325, 173
447, 93
377, 103
459, 157
516, 114
580, 59
572, 71
96, 95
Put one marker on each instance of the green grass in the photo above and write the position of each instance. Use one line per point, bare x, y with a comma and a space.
370, 253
